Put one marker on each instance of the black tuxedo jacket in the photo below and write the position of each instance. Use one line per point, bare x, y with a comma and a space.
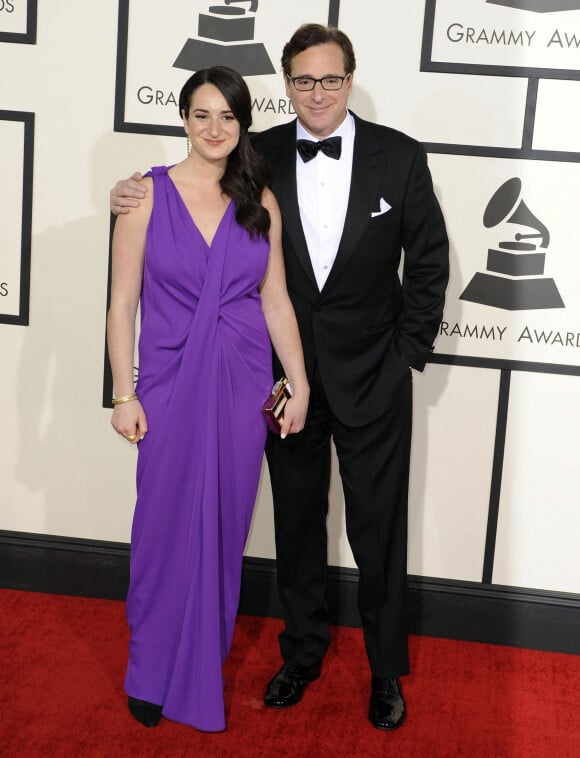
366, 327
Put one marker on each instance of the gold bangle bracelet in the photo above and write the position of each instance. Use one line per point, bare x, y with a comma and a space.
124, 399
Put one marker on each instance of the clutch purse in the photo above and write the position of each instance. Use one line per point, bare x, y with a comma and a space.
273, 408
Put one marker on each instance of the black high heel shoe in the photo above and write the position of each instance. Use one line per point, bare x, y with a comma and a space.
148, 714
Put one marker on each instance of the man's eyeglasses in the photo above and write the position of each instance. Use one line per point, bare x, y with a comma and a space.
307, 83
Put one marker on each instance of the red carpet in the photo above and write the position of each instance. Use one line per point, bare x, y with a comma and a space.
62, 662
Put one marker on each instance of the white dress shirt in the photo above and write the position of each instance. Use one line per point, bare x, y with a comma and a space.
323, 189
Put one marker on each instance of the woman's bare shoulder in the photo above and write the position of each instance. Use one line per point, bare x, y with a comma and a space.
269, 200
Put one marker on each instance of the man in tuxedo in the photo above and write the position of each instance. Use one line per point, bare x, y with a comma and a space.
353, 196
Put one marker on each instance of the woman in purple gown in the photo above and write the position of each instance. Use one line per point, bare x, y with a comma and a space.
202, 257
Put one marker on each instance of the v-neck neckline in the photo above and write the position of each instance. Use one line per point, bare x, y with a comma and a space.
209, 245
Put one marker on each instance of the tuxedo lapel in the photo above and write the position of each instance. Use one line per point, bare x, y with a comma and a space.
285, 188
367, 169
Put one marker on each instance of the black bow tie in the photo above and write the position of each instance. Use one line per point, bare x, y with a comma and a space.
308, 149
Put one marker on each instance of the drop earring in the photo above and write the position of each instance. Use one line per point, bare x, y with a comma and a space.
188, 143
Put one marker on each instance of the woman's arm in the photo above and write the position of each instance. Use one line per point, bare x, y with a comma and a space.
282, 325
128, 418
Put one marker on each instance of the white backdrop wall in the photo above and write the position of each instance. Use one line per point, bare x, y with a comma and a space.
62, 469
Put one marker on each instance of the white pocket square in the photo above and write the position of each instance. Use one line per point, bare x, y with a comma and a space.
384, 208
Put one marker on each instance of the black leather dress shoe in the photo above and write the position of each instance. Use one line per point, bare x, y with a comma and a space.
387, 707
287, 687
147, 713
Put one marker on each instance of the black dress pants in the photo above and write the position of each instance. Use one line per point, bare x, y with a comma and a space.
374, 469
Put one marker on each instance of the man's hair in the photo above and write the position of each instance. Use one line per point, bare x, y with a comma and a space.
309, 35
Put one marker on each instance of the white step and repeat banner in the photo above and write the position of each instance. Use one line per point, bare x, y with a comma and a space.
490, 87
512, 292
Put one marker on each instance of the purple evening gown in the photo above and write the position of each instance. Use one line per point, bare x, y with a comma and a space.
205, 368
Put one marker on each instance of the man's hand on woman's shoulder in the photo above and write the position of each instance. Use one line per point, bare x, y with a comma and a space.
127, 193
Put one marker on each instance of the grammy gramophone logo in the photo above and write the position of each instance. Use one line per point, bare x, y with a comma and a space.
539, 6
514, 279
226, 34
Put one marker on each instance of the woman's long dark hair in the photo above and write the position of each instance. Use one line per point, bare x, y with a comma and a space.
245, 176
